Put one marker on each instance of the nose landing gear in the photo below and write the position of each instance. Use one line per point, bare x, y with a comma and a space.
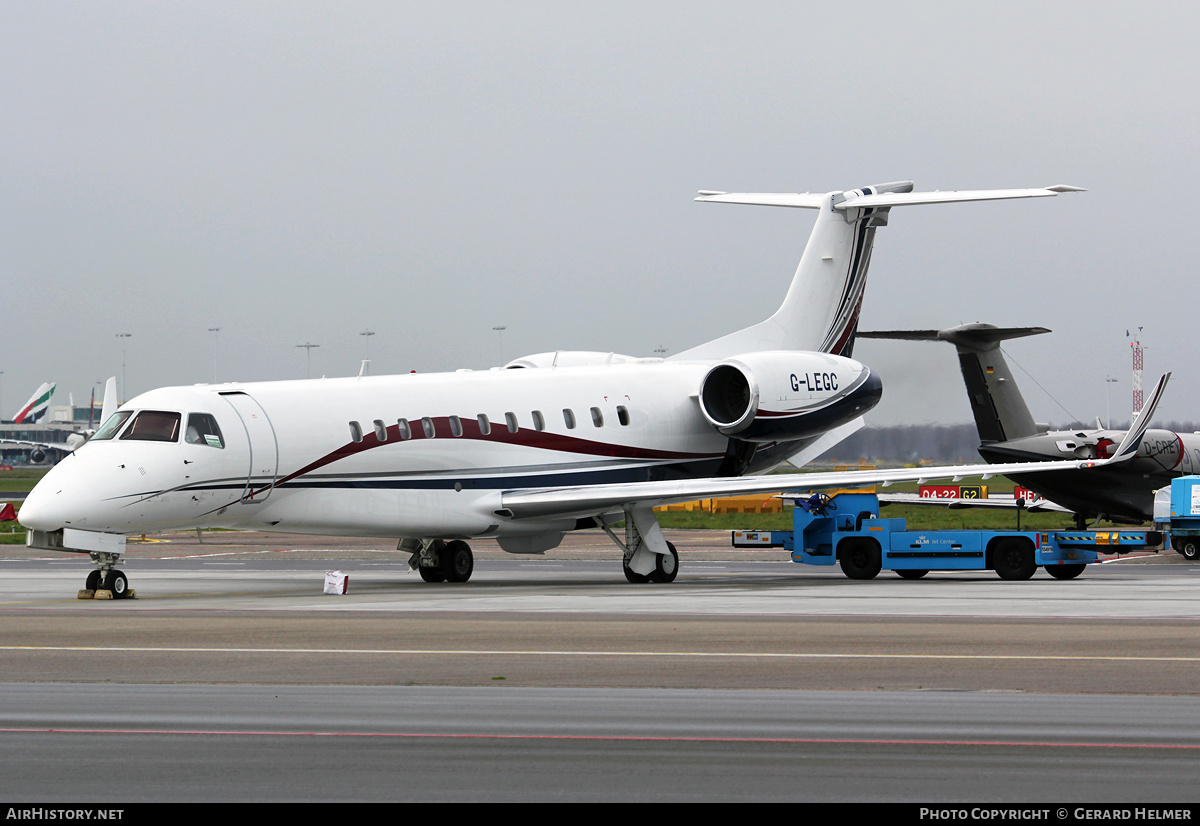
106, 582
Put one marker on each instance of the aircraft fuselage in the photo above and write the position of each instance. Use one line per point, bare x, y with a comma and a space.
411, 455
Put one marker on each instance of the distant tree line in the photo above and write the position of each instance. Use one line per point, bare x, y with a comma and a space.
938, 443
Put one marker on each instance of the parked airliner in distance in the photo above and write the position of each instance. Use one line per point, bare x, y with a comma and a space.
35, 409
553, 442
1007, 433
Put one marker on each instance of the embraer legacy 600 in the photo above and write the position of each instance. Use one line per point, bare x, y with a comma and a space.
553, 442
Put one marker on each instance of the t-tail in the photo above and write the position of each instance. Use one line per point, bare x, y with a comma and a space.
34, 409
999, 408
821, 309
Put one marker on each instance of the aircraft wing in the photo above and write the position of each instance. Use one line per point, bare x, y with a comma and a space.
1007, 502
597, 499
65, 447
593, 500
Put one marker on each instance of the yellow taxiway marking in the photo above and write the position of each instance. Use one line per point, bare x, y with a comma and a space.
560, 653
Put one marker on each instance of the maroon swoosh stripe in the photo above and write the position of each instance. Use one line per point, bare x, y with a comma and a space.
471, 430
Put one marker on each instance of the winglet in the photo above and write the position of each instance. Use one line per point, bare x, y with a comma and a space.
1133, 437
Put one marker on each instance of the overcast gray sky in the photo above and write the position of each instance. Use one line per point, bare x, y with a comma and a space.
304, 172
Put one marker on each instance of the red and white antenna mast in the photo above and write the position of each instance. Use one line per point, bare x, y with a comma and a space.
1136, 346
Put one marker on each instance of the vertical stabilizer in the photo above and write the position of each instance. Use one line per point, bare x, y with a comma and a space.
34, 409
820, 312
996, 402
109, 404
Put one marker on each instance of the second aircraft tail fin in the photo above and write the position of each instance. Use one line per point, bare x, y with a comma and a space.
996, 402
35, 409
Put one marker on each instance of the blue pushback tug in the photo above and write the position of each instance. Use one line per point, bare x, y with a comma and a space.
846, 530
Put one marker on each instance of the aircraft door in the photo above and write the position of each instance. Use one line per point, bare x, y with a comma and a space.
264, 446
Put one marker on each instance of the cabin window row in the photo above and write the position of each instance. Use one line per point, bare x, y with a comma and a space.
427, 426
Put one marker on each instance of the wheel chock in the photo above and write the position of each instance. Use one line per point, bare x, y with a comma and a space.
103, 593
86, 593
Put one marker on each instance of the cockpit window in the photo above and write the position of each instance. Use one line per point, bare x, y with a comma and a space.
202, 430
154, 426
112, 424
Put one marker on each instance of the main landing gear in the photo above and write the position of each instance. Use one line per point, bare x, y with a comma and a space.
647, 555
106, 582
666, 566
439, 561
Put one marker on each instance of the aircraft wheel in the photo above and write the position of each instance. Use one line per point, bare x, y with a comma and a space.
860, 558
457, 561
632, 576
666, 566
911, 573
1013, 559
432, 574
1065, 571
1189, 549
118, 584
93, 580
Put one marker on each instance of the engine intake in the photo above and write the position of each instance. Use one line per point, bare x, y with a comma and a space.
786, 395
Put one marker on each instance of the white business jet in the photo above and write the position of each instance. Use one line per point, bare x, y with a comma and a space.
553, 442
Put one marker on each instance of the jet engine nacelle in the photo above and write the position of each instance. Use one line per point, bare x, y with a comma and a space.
1165, 447
786, 395
37, 456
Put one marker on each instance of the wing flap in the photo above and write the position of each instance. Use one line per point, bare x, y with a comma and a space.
1002, 502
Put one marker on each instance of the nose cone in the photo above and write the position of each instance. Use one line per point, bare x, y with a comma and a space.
50, 505
41, 510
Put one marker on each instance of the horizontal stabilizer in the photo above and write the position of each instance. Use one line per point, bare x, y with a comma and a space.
969, 335
804, 200
882, 195
996, 402
891, 199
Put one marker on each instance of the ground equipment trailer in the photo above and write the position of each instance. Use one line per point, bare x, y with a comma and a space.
1178, 507
846, 530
